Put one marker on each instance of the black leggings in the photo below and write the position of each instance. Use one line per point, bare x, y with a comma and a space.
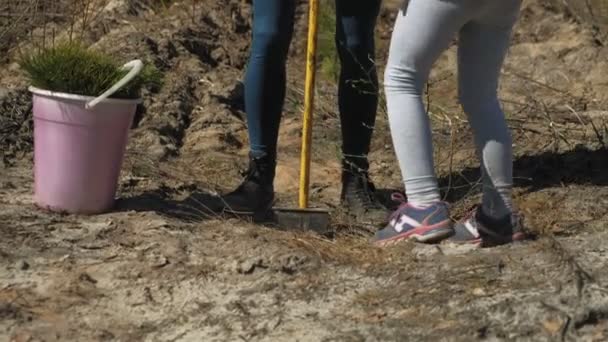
273, 22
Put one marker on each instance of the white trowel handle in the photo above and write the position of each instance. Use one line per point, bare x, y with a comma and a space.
135, 65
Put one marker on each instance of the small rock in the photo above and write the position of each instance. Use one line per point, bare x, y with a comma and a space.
291, 264
3, 93
553, 326
157, 223
23, 265
85, 277
248, 266
160, 261
479, 292
425, 251
457, 249
171, 148
96, 227
105, 335
218, 54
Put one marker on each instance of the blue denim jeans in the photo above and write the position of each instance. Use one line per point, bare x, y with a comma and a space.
273, 22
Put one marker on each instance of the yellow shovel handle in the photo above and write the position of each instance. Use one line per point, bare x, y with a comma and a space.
309, 97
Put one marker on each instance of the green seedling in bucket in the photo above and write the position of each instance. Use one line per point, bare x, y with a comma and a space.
83, 106
72, 68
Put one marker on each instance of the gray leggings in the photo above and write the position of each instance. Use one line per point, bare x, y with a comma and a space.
424, 29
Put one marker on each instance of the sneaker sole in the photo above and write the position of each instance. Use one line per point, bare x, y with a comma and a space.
518, 237
421, 234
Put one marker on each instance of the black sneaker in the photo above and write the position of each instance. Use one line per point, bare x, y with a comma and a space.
359, 197
483, 231
255, 196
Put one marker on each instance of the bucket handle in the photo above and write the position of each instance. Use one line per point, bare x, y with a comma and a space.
135, 65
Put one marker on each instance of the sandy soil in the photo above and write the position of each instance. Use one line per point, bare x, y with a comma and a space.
161, 268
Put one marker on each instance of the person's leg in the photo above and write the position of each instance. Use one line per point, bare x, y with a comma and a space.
358, 102
421, 34
265, 80
482, 49
358, 83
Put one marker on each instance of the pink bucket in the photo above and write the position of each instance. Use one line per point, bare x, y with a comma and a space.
78, 152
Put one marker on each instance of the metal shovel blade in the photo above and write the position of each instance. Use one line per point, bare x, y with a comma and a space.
316, 220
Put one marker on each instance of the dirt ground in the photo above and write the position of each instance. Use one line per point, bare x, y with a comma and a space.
162, 268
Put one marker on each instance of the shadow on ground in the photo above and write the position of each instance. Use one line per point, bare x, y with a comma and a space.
197, 207
532, 173
536, 172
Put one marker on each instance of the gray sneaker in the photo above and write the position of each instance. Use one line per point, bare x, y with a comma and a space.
429, 224
479, 229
